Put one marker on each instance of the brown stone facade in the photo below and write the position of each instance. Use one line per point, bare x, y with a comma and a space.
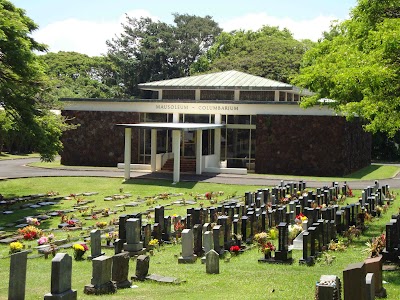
310, 145
97, 141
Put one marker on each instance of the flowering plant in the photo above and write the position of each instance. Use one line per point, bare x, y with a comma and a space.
208, 195
15, 247
178, 227
79, 250
153, 242
71, 222
32, 221
30, 232
294, 231
101, 224
112, 236
43, 240
273, 233
261, 238
300, 218
234, 249
268, 247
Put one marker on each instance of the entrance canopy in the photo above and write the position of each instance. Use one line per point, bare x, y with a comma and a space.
176, 141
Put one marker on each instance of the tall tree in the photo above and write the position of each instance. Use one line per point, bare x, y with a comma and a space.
78, 75
267, 52
150, 50
358, 65
23, 82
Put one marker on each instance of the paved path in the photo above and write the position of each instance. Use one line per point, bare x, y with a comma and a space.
18, 168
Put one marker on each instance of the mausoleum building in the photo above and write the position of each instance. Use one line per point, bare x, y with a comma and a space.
225, 122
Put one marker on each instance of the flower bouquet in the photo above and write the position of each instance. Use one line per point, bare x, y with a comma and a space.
79, 251
30, 232
153, 243
15, 247
234, 250
267, 249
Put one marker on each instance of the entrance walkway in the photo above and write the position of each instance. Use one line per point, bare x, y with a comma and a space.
18, 168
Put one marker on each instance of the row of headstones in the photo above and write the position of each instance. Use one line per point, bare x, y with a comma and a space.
361, 281
392, 249
108, 274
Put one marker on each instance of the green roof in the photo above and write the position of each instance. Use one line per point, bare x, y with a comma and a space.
227, 80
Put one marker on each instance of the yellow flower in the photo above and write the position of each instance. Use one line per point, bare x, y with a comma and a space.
78, 247
153, 242
16, 246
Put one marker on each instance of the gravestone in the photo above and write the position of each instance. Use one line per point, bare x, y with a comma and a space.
101, 277
218, 239
187, 247
122, 228
95, 244
307, 257
166, 235
120, 270
61, 273
283, 254
328, 288
374, 265
207, 244
212, 262
142, 267
159, 215
118, 246
354, 286
198, 236
370, 284
146, 235
133, 244
17, 281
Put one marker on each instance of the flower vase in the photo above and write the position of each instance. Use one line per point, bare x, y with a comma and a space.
267, 255
78, 254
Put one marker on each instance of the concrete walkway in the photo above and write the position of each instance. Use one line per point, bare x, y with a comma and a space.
18, 168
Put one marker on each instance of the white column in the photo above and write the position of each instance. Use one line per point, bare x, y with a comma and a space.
236, 95
276, 96
176, 149
153, 149
127, 154
199, 149
197, 95
217, 139
160, 94
175, 117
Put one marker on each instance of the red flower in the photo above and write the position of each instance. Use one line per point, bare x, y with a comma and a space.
208, 195
71, 222
234, 249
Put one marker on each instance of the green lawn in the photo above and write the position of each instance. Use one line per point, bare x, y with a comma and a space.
4, 155
240, 278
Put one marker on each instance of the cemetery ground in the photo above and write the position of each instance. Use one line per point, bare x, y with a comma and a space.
241, 276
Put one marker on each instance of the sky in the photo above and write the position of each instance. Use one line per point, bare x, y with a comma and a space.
85, 25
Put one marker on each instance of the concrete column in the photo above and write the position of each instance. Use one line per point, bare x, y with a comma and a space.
199, 149
160, 94
175, 117
217, 139
153, 149
197, 95
127, 154
176, 149
236, 95
276, 96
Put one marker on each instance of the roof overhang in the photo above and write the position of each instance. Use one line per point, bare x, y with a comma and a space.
173, 126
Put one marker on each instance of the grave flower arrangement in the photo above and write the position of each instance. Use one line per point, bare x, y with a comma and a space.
30, 232
234, 250
294, 230
261, 238
153, 243
268, 247
376, 246
15, 247
43, 240
101, 224
79, 251
300, 218
178, 227
32, 221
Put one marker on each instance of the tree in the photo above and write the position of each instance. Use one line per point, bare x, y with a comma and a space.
267, 52
23, 82
358, 65
150, 50
78, 75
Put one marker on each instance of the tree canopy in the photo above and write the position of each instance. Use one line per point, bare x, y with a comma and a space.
150, 50
268, 52
23, 83
78, 75
357, 64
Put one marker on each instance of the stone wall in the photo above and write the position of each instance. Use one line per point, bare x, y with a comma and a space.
97, 141
310, 145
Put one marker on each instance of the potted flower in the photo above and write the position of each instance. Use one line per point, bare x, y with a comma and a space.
267, 249
30, 232
15, 247
101, 225
153, 243
234, 250
79, 251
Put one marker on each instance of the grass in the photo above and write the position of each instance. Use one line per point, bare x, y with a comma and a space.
241, 278
4, 155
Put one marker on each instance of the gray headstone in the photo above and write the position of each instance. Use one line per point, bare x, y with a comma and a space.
95, 244
212, 262
207, 244
101, 273
61, 273
370, 282
142, 267
133, 243
120, 270
328, 288
187, 247
16, 286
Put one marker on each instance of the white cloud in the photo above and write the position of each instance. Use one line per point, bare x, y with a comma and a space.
89, 37
306, 29
83, 36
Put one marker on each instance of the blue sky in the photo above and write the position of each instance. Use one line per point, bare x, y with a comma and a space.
85, 25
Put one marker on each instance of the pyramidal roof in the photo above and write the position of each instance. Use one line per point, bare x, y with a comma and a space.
230, 80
